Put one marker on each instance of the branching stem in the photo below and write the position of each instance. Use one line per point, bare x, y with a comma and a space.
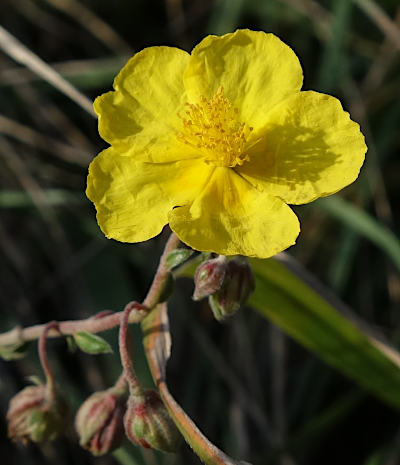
103, 321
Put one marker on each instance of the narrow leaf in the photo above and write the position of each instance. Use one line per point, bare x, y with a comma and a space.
325, 326
91, 343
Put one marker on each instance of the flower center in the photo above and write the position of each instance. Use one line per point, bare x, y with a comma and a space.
213, 127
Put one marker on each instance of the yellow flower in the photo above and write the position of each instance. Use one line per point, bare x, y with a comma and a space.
217, 143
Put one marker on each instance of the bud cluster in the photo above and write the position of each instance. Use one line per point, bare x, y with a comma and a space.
226, 283
105, 417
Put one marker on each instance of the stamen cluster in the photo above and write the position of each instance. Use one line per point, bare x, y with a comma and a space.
213, 127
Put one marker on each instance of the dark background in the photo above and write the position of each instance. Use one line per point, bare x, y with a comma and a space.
257, 394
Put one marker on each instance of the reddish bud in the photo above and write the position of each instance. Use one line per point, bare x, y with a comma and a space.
147, 423
37, 414
238, 284
99, 421
209, 277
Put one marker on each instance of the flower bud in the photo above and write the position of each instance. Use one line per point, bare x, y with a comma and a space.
147, 423
37, 414
209, 277
238, 284
99, 421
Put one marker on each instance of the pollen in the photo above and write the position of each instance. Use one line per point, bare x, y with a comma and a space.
212, 126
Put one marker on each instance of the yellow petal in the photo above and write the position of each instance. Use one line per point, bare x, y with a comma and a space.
255, 69
311, 148
231, 217
133, 198
141, 115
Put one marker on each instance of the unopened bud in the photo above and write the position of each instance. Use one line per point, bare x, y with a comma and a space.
238, 284
147, 423
37, 414
99, 421
209, 277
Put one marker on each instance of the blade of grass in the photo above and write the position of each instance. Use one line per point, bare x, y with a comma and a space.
93, 23
21, 54
35, 139
82, 73
53, 197
330, 66
316, 323
363, 224
225, 17
340, 266
381, 19
326, 419
126, 457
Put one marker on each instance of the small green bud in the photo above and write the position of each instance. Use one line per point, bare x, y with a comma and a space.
209, 277
37, 414
99, 421
238, 284
147, 423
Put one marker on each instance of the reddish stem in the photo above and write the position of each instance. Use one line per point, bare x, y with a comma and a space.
105, 321
43, 355
157, 286
120, 384
135, 388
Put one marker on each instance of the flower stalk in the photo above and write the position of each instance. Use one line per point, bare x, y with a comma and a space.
44, 361
38, 413
126, 349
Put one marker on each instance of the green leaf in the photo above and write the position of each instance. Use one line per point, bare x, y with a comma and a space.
319, 324
91, 343
14, 351
177, 257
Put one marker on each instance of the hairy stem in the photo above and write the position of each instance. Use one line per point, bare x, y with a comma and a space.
105, 320
121, 382
135, 388
44, 361
157, 286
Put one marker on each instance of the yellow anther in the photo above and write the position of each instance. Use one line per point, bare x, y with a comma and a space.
213, 127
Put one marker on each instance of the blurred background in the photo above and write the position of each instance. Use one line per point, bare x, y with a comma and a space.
255, 392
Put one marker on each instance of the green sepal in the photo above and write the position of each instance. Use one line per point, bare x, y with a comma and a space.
35, 417
177, 257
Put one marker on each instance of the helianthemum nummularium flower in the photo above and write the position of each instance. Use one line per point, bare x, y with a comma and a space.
217, 143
